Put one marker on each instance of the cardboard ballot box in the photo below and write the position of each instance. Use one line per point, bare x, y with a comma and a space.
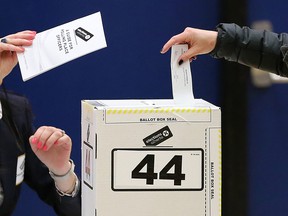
150, 158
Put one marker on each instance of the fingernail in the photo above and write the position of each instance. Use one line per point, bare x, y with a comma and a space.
161, 51
39, 145
45, 148
34, 140
180, 62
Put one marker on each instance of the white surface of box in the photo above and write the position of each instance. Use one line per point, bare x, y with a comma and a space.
150, 158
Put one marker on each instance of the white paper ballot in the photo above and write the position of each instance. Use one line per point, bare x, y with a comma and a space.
181, 77
61, 44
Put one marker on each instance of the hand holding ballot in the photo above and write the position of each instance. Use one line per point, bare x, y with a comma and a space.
199, 42
11, 44
61, 44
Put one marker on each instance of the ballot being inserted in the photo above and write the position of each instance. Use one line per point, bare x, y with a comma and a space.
61, 44
181, 77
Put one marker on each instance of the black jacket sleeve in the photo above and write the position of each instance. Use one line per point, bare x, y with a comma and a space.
261, 49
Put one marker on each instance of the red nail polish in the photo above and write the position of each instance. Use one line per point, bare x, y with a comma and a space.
45, 148
34, 140
39, 145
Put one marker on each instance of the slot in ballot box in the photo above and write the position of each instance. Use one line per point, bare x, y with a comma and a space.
150, 158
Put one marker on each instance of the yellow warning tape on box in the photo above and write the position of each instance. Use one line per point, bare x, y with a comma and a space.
123, 115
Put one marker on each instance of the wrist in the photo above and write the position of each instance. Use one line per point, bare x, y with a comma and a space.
72, 191
68, 183
65, 174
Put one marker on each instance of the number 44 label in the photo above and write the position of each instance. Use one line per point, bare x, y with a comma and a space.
157, 169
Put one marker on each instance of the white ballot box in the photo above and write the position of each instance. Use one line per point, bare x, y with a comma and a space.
151, 158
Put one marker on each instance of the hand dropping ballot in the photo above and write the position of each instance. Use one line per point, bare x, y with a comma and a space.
61, 44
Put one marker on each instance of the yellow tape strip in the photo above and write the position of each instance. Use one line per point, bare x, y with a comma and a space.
161, 110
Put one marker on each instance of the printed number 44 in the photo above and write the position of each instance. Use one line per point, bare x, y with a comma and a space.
149, 161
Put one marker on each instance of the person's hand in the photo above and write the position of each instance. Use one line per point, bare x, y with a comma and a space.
199, 42
11, 44
53, 147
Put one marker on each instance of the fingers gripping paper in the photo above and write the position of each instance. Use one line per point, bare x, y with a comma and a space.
181, 77
61, 44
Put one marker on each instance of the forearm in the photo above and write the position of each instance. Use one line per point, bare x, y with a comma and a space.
254, 48
67, 186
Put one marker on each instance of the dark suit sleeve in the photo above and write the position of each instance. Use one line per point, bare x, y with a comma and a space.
38, 178
255, 48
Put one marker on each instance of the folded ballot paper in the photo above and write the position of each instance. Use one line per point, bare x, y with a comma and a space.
61, 44
181, 77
